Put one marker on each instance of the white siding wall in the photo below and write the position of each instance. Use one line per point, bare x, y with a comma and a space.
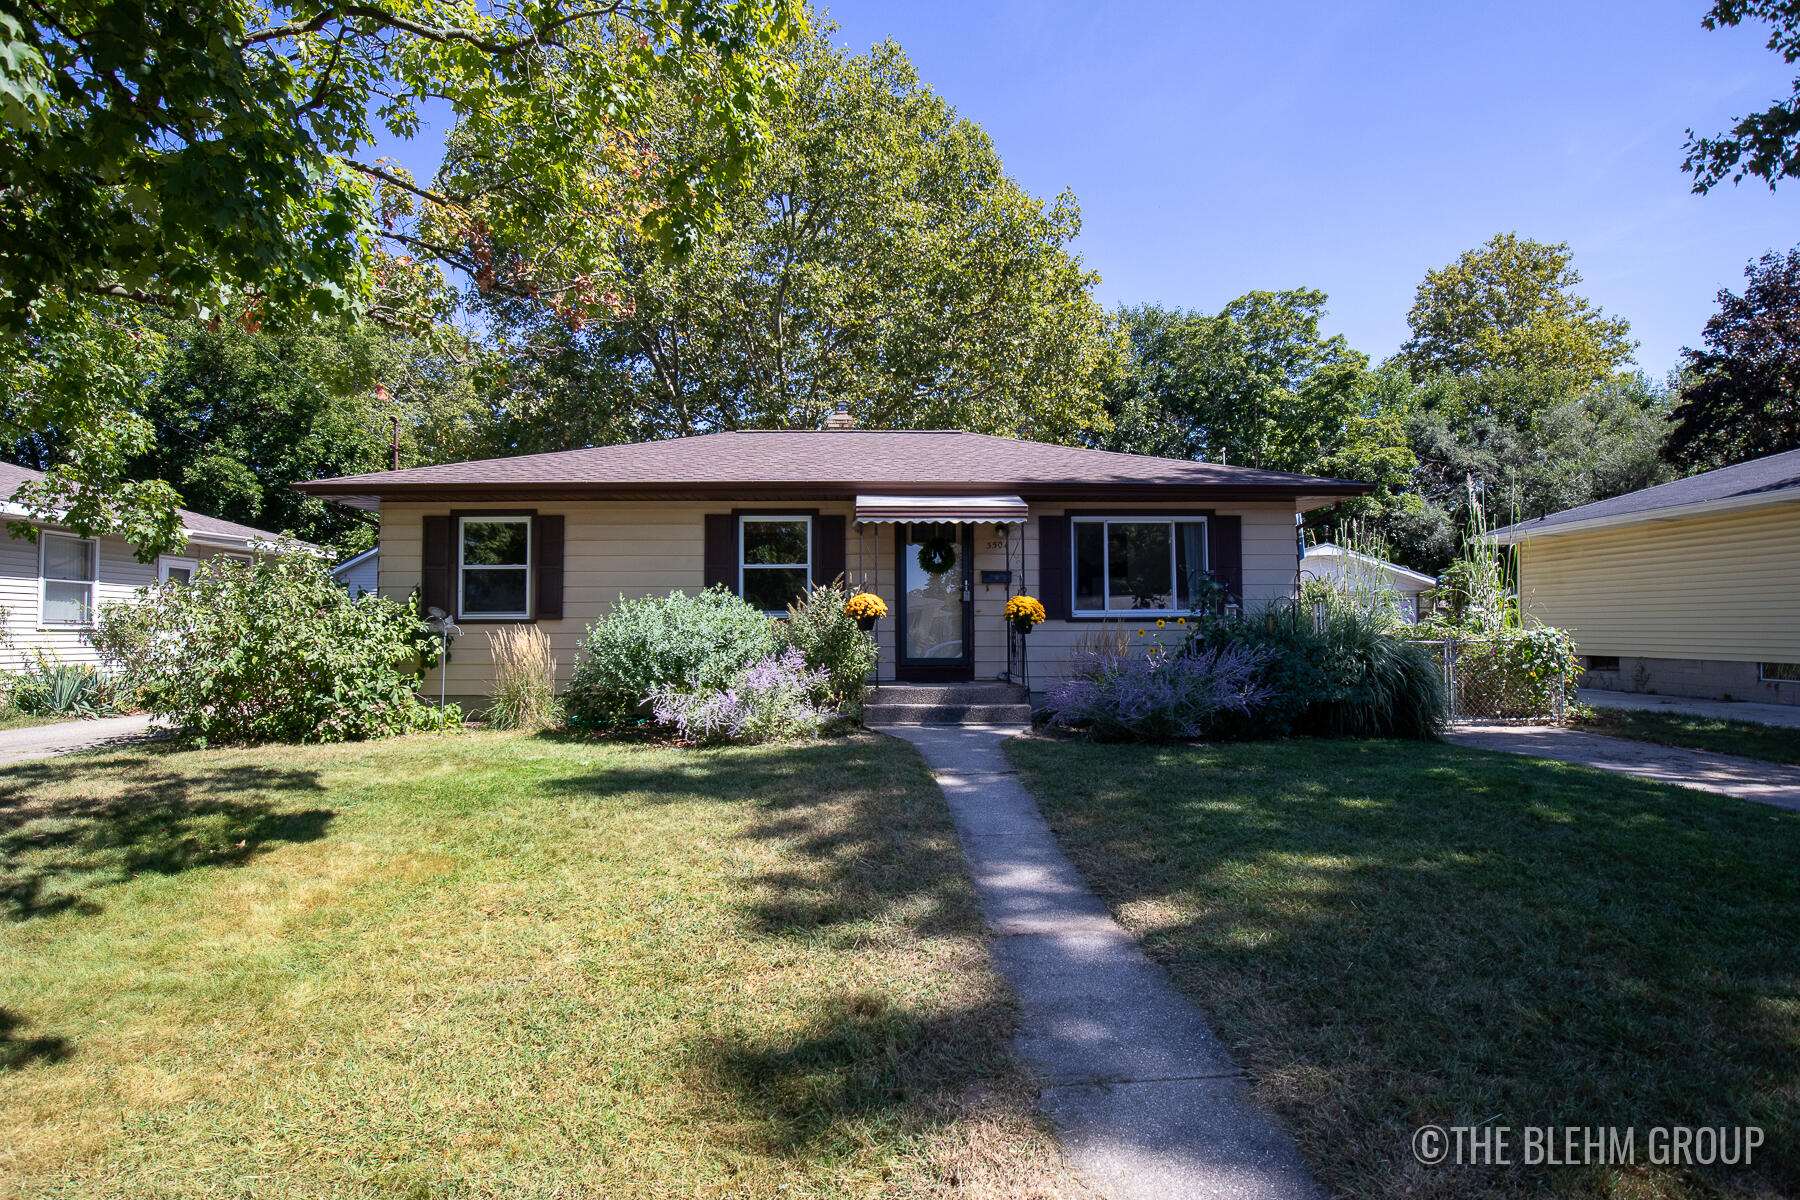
363, 577
620, 548
120, 576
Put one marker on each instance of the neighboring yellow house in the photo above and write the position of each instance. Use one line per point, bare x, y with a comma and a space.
1691, 588
944, 526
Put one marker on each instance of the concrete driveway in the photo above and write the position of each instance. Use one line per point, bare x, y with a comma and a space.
47, 741
1727, 774
1785, 715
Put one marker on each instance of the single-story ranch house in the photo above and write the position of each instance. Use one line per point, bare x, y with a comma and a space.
1691, 588
1099, 537
51, 588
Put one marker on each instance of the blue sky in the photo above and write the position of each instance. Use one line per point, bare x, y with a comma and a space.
1216, 148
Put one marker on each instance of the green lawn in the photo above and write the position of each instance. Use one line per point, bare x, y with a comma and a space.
1699, 733
499, 965
18, 720
1389, 934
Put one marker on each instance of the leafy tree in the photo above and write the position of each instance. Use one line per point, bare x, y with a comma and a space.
1741, 397
1510, 305
879, 255
209, 161
1529, 445
1256, 384
1765, 144
238, 416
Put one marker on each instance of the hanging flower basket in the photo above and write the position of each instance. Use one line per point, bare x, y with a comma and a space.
1024, 612
937, 556
865, 608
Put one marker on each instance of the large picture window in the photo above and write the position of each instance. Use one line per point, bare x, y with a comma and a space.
1138, 565
494, 570
775, 560
67, 567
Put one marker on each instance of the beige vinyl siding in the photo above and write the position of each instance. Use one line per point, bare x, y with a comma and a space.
614, 548
610, 549
119, 577
1725, 587
1271, 566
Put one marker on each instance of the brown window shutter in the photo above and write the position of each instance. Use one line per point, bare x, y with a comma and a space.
1226, 555
1054, 573
720, 564
827, 549
547, 566
437, 566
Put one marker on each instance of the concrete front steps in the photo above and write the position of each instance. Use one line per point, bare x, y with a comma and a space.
948, 704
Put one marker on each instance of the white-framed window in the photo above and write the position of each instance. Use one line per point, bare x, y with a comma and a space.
176, 567
1779, 672
67, 568
774, 560
1140, 565
493, 577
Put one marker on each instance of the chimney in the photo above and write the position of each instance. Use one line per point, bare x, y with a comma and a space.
841, 419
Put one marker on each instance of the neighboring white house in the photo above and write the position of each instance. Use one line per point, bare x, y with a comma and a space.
360, 574
1354, 570
51, 588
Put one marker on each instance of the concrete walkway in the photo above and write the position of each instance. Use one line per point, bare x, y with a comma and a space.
1147, 1101
1727, 774
47, 741
1784, 715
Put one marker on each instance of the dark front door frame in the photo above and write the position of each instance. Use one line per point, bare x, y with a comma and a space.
925, 670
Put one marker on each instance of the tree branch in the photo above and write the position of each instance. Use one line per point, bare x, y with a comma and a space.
403, 184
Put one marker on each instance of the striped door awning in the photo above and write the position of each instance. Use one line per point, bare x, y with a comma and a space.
983, 510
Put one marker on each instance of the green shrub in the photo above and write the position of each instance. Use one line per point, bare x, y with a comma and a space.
831, 641
1331, 671
271, 651
1514, 673
48, 688
695, 643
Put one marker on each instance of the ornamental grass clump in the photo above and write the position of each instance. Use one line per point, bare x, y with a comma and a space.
524, 678
777, 699
1119, 696
1330, 671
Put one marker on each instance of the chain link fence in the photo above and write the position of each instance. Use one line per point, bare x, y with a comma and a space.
1483, 686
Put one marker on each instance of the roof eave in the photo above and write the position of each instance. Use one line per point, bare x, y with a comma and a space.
1525, 531
1312, 493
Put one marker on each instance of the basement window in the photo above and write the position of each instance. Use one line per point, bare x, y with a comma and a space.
1780, 672
1601, 662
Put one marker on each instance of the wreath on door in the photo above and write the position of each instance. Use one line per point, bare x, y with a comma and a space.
937, 556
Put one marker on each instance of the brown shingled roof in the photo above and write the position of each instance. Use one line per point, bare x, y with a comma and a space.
760, 464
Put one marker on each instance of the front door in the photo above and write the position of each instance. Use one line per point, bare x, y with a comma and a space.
936, 626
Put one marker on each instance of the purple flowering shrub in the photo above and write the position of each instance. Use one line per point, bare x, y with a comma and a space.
772, 699
1157, 697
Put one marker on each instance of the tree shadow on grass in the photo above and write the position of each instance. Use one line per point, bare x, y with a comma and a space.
864, 832
58, 846
858, 1066
1391, 934
857, 853
17, 1052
